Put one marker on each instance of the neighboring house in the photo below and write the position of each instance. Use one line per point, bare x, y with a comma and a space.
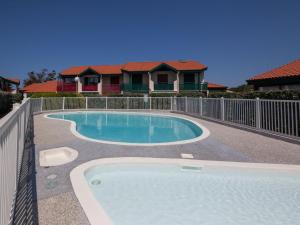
48, 86
216, 87
286, 77
143, 77
9, 84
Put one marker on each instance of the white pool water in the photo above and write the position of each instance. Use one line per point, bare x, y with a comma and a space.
191, 194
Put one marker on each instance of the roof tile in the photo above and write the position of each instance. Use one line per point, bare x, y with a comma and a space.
287, 70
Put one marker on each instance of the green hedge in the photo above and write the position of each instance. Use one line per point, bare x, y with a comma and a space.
6, 103
52, 94
17, 98
280, 95
288, 95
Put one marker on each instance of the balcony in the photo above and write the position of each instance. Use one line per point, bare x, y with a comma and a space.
111, 88
135, 87
67, 87
164, 87
193, 86
90, 87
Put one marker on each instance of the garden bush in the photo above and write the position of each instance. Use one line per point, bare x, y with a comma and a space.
53, 94
6, 103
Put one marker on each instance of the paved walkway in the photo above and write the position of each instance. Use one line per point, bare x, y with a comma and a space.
57, 203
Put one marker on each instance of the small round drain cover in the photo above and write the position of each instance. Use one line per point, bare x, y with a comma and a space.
51, 184
95, 182
51, 176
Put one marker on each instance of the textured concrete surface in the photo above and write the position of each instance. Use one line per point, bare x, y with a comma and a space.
62, 209
224, 143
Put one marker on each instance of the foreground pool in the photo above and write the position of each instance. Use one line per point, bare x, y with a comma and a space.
135, 128
137, 191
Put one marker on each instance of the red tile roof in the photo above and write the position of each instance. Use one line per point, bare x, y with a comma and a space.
288, 70
180, 65
12, 80
215, 86
102, 69
108, 69
186, 65
49, 86
140, 66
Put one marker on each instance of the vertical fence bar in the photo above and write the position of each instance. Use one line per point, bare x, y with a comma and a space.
201, 104
42, 101
150, 103
186, 105
222, 108
63, 104
86, 103
106, 102
127, 103
257, 113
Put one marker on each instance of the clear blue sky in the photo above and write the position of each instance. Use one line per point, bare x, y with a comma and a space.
235, 39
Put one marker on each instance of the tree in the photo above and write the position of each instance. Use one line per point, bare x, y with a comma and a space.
40, 77
242, 88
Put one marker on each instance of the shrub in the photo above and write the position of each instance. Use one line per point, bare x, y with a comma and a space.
17, 98
6, 103
52, 94
280, 95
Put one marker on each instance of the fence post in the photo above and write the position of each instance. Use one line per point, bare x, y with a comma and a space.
186, 107
86, 103
106, 102
257, 118
222, 109
150, 105
175, 103
200, 105
63, 105
42, 101
171, 99
127, 102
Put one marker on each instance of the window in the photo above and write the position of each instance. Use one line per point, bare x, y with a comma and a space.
114, 80
90, 80
189, 78
137, 78
162, 78
69, 80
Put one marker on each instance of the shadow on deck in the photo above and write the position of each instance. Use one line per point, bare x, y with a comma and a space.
26, 211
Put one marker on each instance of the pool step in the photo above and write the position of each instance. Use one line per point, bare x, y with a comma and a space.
191, 168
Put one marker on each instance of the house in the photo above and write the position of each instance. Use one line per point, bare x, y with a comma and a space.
212, 87
9, 84
48, 86
142, 77
286, 77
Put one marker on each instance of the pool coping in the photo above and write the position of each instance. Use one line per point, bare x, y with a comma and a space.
96, 213
205, 131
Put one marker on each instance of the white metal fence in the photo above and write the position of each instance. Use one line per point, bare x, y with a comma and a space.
280, 117
12, 138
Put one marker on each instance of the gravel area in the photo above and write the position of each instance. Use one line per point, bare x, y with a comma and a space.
56, 201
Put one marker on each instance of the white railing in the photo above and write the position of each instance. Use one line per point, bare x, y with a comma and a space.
280, 117
12, 138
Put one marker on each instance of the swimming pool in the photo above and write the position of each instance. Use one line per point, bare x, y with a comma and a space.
133, 128
144, 191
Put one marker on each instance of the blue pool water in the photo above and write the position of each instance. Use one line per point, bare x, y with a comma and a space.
131, 128
150, 194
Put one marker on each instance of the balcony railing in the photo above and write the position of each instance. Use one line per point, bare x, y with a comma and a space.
111, 88
135, 87
67, 87
193, 86
164, 87
91, 87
